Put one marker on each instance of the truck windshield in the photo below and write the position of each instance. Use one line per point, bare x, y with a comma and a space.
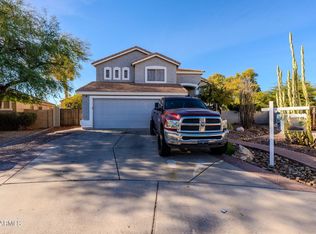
184, 103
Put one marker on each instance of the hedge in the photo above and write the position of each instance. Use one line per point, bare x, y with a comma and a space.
15, 121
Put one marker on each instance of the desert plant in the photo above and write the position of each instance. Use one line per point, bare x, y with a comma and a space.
291, 94
247, 106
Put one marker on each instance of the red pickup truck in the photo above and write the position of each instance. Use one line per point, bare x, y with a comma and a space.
186, 122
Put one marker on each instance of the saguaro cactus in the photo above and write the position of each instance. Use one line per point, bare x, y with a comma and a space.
309, 134
290, 95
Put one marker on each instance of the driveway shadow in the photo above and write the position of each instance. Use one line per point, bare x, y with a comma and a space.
82, 155
111, 155
138, 159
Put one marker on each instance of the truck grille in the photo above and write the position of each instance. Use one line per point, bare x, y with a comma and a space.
202, 138
200, 124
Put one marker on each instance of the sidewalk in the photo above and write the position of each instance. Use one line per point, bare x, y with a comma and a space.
296, 156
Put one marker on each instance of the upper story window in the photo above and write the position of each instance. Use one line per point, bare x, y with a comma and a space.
5, 105
125, 73
116, 73
107, 73
156, 74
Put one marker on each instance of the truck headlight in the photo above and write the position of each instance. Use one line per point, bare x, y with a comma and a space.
224, 124
172, 124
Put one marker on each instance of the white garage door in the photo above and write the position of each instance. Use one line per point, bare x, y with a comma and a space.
122, 113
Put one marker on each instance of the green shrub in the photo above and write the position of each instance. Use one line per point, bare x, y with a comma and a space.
11, 121
230, 149
26, 119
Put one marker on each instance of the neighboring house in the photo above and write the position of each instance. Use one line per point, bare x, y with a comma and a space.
21, 107
128, 84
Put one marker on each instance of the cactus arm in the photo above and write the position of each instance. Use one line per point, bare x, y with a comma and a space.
303, 77
279, 92
289, 89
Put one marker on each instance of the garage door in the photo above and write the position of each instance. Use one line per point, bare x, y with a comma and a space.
122, 113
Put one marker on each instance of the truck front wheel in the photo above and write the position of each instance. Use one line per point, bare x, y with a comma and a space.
219, 150
163, 148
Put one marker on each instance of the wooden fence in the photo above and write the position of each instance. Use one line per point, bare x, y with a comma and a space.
313, 113
44, 119
69, 117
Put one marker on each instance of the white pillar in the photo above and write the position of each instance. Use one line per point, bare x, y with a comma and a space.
197, 91
271, 132
56, 116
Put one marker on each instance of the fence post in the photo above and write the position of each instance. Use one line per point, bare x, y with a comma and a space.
314, 118
47, 120
56, 120
78, 119
271, 132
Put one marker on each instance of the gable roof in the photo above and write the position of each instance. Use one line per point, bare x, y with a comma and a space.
189, 71
129, 88
129, 50
156, 55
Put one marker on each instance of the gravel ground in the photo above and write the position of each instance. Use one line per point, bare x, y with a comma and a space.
6, 136
260, 134
283, 166
16, 153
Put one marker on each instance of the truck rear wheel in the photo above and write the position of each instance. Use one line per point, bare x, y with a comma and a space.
163, 148
151, 128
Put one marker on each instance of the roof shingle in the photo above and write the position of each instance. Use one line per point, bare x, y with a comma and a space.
100, 86
188, 70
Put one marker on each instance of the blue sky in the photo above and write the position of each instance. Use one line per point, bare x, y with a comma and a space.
216, 36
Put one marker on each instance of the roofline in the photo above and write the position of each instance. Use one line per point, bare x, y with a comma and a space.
129, 93
123, 52
188, 69
190, 72
48, 103
204, 80
166, 97
189, 85
156, 55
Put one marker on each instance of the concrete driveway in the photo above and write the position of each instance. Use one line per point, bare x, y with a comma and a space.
112, 182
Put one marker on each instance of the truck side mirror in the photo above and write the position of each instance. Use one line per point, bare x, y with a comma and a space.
156, 105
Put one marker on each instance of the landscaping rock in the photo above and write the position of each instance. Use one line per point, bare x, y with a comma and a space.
284, 166
245, 154
240, 129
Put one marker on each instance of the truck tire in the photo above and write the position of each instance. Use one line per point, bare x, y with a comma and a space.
163, 148
219, 150
151, 128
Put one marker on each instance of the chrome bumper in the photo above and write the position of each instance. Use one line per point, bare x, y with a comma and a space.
213, 138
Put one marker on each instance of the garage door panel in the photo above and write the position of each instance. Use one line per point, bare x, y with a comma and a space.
122, 113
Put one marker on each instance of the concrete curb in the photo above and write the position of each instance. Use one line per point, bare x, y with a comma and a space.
305, 159
274, 178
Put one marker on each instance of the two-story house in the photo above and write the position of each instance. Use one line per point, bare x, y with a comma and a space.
128, 84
